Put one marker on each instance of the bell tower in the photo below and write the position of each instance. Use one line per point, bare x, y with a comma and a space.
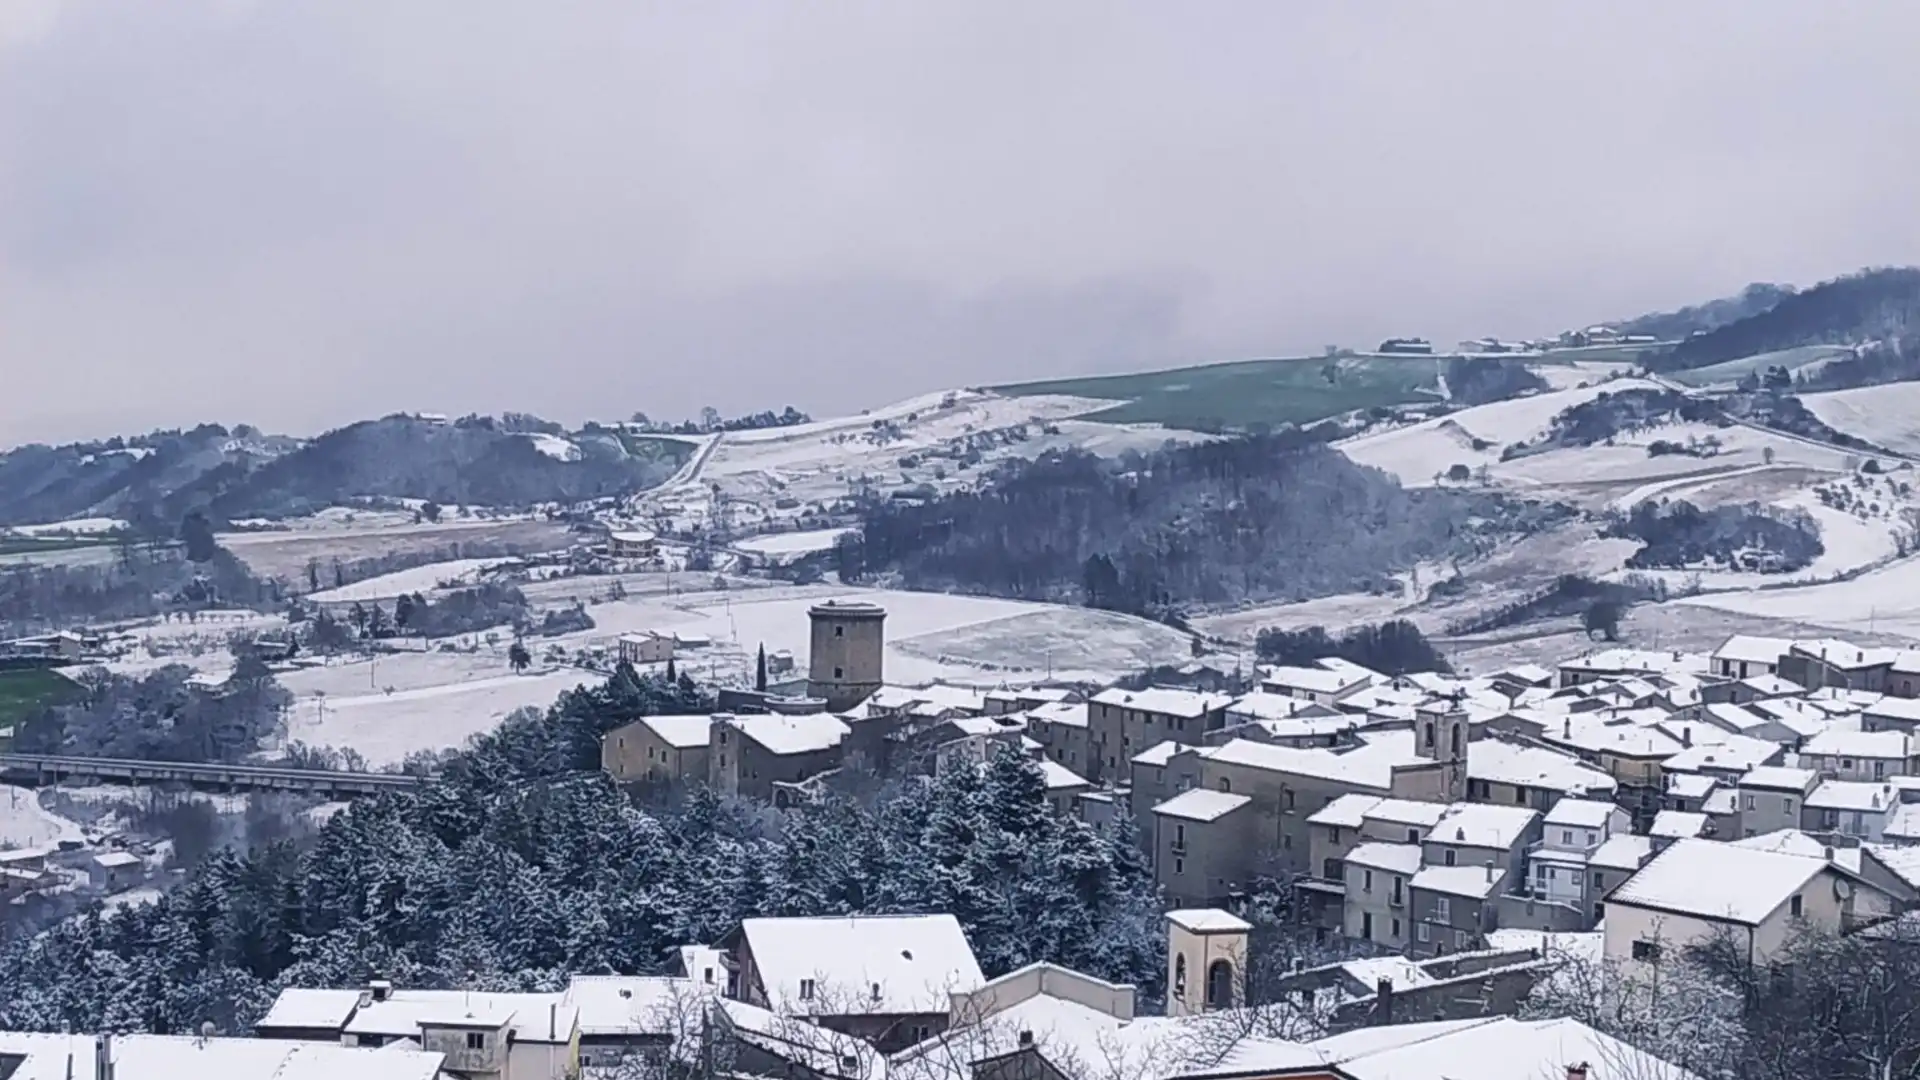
1441, 734
1206, 961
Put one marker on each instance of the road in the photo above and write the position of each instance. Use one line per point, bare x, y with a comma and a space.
34, 769
1821, 444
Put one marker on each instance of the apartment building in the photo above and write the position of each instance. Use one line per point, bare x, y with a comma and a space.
1774, 797
1846, 752
658, 749
1121, 723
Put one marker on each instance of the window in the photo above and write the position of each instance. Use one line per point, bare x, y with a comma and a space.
839, 631
1333, 835
1596, 879
1879, 770
806, 989
1450, 857
1750, 803
1456, 740
1330, 870
1396, 928
1180, 835
1794, 907
1566, 836
1599, 912
1846, 763
838, 672
1366, 881
1179, 866
921, 1033
1180, 976
1366, 925
1789, 805
476, 1040
1226, 784
1422, 932
1289, 798
1429, 734
1647, 952
1413, 836
1443, 909
1286, 841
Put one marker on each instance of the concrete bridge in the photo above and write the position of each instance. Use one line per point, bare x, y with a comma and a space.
37, 769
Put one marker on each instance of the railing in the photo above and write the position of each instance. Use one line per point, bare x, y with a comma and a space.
40, 768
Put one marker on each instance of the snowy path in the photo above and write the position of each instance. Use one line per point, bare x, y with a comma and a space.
1689, 480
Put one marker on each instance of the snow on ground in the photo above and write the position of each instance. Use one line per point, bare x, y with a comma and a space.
1886, 601
24, 823
943, 439
1596, 476
438, 700
555, 447
93, 526
286, 554
1887, 416
1569, 376
1420, 453
420, 579
1332, 612
130, 898
792, 544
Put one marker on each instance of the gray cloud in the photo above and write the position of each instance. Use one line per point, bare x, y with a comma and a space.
298, 213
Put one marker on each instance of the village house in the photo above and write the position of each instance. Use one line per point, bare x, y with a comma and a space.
632, 544
648, 647
512, 1036
888, 979
1857, 808
1697, 889
1061, 730
1315, 685
1560, 864
1774, 797
1123, 722
750, 755
658, 749
1744, 656
1828, 662
38, 1056
1846, 752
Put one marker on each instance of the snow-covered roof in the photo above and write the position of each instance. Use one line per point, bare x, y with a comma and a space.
532, 1018
1688, 785
1500, 762
1313, 680
1750, 649
1208, 921
1477, 882
632, 536
1406, 812
1500, 1048
1483, 825
1201, 804
615, 1005
1345, 812
1403, 858
680, 732
1165, 701
115, 859
1636, 660
1066, 713
1266, 705
1862, 795
1581, 813
1621, 851
1738, 753
1528, 673
1677, 824
311, 1009
802, 734
1844, 655
1777, 778
1731, 717
1771, 685
1160, 753
1845, 740
1711, 880
158, 1057
1349, 669
862, 964
1369, 765
1059, 777
1897, 709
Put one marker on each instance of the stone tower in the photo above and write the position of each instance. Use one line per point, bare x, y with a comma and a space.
1206, 961
1440, 735
849, 643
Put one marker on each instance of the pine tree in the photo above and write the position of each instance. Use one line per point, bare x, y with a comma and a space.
760, 670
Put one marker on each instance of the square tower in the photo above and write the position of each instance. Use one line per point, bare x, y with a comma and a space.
1206, 960
1440, 735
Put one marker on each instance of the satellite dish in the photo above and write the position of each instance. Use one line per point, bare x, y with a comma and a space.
1842, 888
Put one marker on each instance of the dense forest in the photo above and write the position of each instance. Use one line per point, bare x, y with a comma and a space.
523, 864
1261, 518
1396, 647
1476, 380
158, 717
1700, 318
1873, 305
1679, 535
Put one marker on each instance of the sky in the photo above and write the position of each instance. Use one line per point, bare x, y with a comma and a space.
299, 213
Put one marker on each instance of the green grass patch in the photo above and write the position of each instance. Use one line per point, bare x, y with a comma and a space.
1732, 371
23, 691
1245, 393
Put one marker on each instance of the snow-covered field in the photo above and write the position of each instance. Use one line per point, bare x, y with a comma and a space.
437, 700
388, 708
93, 526
24, 823
555, 447
1885, 601
792, 544
420, 579
286, 554
1886, 416
1420, 453
942, 439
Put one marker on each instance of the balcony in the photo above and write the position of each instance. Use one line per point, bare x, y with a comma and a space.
1398, 899
1178, 847
1326, 885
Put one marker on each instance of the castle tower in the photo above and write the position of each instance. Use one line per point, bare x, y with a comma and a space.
1441, 734
849, 643
1206, 961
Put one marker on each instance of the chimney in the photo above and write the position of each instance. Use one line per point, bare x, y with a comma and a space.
380, 989
553, 1020
1686, 736
1383, 1002
1489, 873
1026, 1038
1577, 1072
1828, 852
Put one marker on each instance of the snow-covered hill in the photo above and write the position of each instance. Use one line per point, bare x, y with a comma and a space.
1886, 415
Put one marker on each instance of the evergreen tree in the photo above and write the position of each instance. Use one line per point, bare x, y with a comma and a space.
760, 670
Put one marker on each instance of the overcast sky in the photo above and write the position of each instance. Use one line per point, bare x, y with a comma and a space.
298, 214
